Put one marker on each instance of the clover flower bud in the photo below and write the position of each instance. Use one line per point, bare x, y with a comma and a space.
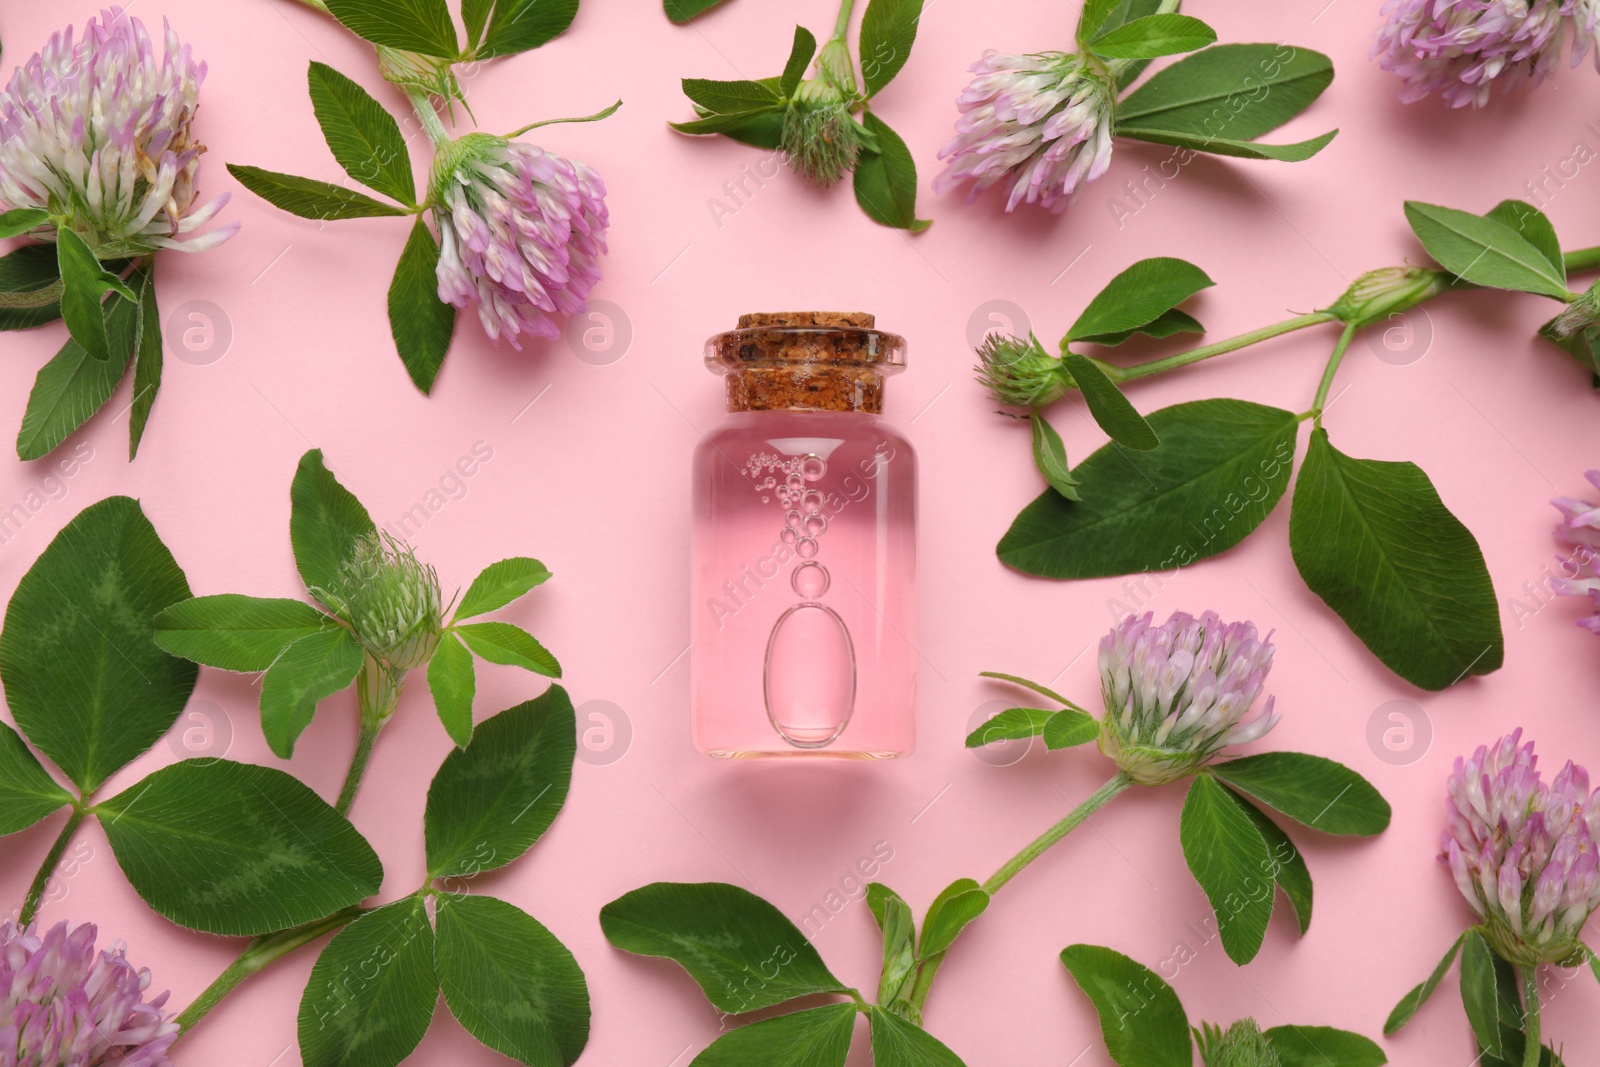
820, 139
1388, 291
391, 600
1020, 374
1241, 1045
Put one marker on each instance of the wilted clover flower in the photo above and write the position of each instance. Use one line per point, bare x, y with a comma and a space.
1579, 529
1523, 852
1580, 315
62, 1004
521, 232
1462, 49
391, 600
96, 131
1041, 122
1020, 373
1177, 694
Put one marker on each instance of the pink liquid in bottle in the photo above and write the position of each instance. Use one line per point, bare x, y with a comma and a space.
804, 554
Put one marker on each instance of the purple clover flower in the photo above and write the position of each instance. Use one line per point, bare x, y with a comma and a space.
62, 1004
521, 233
1040, 122
1523, 852
1177, 694
1463, 49
1579, 529
96, 131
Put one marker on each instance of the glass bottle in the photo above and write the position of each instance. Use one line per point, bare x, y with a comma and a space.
803, 551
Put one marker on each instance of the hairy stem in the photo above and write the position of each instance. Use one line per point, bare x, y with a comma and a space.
422, 104
33, 298
1329, 371
1530, 1016
30, 903
378, 693
1582, 258
257, 954
928, 968
1231, 344
1074, 818
841, 25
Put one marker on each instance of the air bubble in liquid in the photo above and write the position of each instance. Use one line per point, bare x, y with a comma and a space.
811, 501
806, 547
816, 525
794, 519
796, 483
788, 535
813, 467
810, 580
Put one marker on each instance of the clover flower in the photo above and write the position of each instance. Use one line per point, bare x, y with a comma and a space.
62, 1004
1523, 852
97, 131
521, 232
391, 600
1019, 373
820, 139
1177, 694
1579, 529
1041, 122
1463, 49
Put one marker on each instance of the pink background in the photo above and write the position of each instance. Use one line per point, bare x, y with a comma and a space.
592, 479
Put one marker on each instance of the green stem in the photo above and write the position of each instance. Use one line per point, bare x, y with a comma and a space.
841, 25
1329, 371
378, 693
1530, 1016
30, 903
1042, 843
928, 968
604, 113
422, 104
924, 982
1195, 355
1116, 68
34, 298
1582, 258
257, 954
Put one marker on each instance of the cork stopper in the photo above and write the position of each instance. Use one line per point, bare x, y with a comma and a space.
806, 360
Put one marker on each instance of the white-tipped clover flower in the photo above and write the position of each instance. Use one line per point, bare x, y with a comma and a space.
391, 600
1040, 124
96, 130
1523, 853
1177, 694
1464, 49
521, 233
